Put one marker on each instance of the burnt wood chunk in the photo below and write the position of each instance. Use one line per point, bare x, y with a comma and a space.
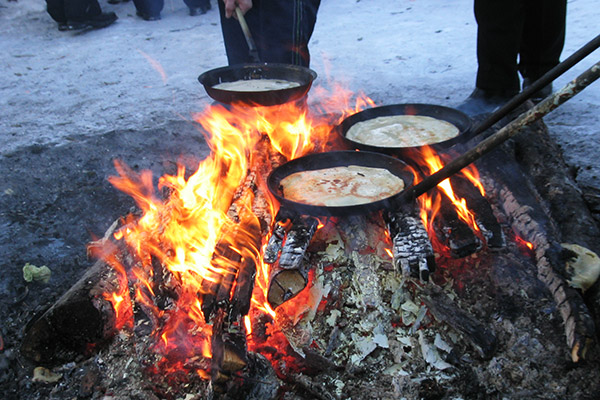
445, 310
274, 245
481, 208
411, 247
80, 320
529, 219
217, 291
289, 275
228, 347
453, 232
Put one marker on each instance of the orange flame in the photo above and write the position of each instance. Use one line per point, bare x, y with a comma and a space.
179, 241
434, 163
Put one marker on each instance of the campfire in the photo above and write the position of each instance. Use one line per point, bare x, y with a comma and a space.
212, 289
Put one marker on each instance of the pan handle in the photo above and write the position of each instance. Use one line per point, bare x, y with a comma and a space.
547, 105
546, 79
247, 34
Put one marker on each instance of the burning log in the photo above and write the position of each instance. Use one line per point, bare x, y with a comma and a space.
413, 253
278, 233
531, 223
80, 320
453, 232
484, 215
228, 347
290, 275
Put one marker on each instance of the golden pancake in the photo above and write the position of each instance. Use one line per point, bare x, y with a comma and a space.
402, 131
256, 85
341, 186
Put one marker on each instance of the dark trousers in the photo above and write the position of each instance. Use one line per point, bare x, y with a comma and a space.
513, 36
281, 30
153, 8
72, 10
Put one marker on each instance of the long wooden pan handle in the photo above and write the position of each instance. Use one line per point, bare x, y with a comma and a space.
548, 104
247, 34
546, 79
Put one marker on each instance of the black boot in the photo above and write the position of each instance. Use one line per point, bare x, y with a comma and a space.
483, 102
540, 94
96, 22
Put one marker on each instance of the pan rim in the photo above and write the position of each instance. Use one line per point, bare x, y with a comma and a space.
293, 73
459, 119
338, 158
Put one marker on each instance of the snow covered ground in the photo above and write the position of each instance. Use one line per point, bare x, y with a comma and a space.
140, 75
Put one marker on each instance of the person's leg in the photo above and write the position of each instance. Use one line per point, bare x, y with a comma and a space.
285, 30
86, 14
499, 25
56, 10
543, 37
281, 30
149, 9
79, 10
198, 7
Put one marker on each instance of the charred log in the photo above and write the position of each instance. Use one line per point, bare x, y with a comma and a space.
542, 159
445, 310
290, 275
81, 320
530, 221
274, 245
412, 250
484, 215
228, 346
453, 232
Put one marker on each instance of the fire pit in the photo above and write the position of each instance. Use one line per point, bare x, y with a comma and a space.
210, 290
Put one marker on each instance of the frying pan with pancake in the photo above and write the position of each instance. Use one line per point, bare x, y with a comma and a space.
287, 72
451, 115
337, 159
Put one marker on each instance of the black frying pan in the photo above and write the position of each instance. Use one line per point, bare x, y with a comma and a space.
294, 73
451, 115
337, 159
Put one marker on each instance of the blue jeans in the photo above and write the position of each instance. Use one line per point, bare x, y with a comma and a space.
281, 30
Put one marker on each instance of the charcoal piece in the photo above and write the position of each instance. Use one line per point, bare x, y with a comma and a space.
412, 250
275, 244
455, 233
289, 275
481, 208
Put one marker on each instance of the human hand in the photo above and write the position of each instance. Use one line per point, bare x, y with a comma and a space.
230, 6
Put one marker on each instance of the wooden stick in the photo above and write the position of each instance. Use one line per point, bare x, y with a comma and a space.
550, 103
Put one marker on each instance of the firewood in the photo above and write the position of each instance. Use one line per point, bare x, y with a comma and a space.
79, 320
280, 229
445, 310
453, 232
529, 219
289, 275
412, 250
541, 158
480, 207
228, 347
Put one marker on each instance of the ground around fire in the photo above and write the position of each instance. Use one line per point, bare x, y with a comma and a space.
71, 103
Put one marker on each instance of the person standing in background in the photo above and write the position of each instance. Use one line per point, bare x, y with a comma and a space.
280, 28
514, 36
149, 10
79, 14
